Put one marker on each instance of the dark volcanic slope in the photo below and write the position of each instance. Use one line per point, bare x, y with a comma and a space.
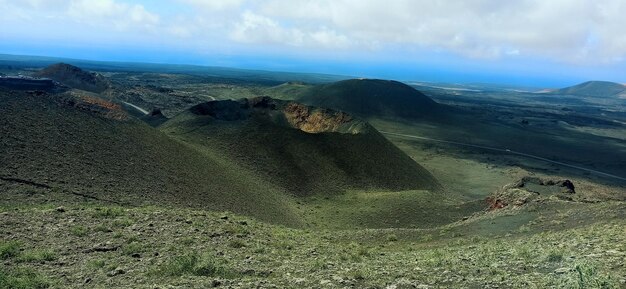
371, 97
78, 145
75, 77
595, 89
303, 149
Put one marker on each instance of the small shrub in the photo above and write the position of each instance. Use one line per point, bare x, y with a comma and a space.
426, 238
9, 250
237, 244
588, 277
193, 264
318, 265
102, 228
237, 229
259, 250
38, 256
283, 245
132, 239
22, 278
363, 251
187, 241
392, 238
48, 255
524, 229
358, 275
97, 263
355, 253
554, 257
122, 223
79, 231
132, 248
525, 253
108, 212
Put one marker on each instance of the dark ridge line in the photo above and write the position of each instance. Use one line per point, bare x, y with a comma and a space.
38, 185
27, 182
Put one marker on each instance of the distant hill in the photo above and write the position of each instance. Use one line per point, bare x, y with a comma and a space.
75, 77
371, 97
595, 89
86, 148
305, 150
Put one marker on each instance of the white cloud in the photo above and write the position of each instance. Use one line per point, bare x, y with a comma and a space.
214, 5
179, 31
255, 28
109, 12
330, 39
577, 31
475, 28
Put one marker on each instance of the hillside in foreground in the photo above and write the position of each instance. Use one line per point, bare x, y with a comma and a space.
102, 246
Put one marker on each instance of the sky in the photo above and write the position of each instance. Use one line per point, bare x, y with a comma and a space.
523, 42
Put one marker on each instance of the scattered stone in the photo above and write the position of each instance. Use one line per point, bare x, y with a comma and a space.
299, 281
156, 112
562, 270
243, 223
224, 217
325, 283
102, 248
117, 271
569, 186
87, 280
531, 189
60, 209
136, 255
614, 252
216, 283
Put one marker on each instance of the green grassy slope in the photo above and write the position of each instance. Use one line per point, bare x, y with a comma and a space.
376, 209
303, 163
54, 146
371, 97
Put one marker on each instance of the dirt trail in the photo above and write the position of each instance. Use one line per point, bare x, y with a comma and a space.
136, 107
